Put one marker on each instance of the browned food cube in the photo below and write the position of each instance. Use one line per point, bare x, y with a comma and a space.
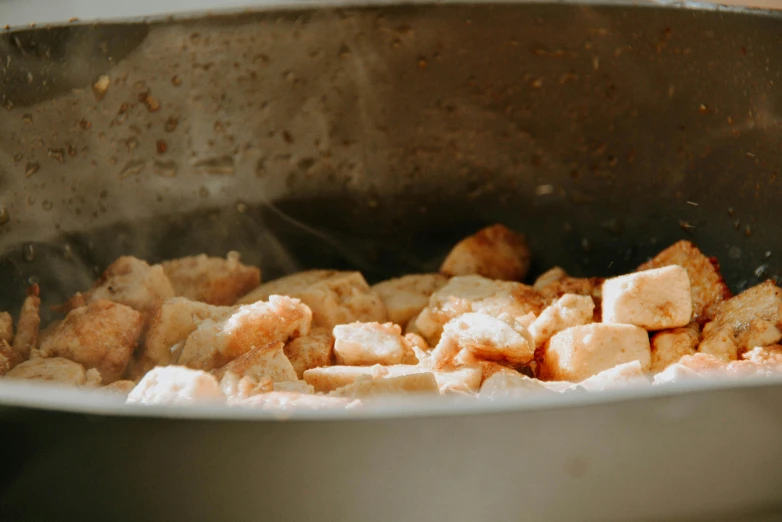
54, 369
334, 297
706, 283
495, 252
215, 343
311, 351
26, 337
752, 318
6, 327
101, 335
212, 280
131, 282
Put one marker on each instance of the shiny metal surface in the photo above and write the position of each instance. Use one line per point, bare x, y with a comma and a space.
374, 138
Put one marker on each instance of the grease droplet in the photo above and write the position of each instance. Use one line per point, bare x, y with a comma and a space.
167, 169
28, 253
220, 166
132, 168
5, 217
31, 168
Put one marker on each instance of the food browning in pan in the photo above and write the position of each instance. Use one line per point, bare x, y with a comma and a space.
208, 330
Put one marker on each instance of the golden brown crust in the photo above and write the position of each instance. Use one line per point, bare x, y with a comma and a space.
101, 335
706, 283
314, 350
211, 280
495, 252
6, 327
26, 337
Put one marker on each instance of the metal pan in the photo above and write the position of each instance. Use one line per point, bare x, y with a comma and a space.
373, 138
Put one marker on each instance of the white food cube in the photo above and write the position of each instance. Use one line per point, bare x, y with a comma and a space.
487, 338
510, 383
653, 299
363, 344
620, 376
580, 352
176, 385
423, 382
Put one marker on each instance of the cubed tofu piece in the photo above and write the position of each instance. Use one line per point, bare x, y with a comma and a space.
668, 346
215, 343
333, 377
334, 297
466, 379
654, 299
744, 322
6, 327
569, 310
212, 280
314, 350
580, 352
495, 252
423, 382
706, 283
26, 337
101, 335
176, 319
176, 385
55, 369
366, 344
405, 297
261, 363
474, 293
675, 372
123, 387
235, 387
294, 386
131, 282
486, 337
510, 383
291, 401
620, 376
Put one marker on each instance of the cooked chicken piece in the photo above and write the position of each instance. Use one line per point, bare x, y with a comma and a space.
47, 331
213, 280
465, 294
655, 299
466, 359
334, 377
760, 362
176, 385
311, 351
669, 346
260, 363
215, 343
176, 319
122, 387
405, 297
620, 376
334, 297
293, 386
580, 352
365, 344
8, 357
236, 388
101, 335
549, 277
676, 372
486, 337
510, 383
131, 282
569, 310
750, 319
417, 349
6, 327
55, 369
495, 252
423, 382
26, 337
287, 401
706, 283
